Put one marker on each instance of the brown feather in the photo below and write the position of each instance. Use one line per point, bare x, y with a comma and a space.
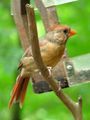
14, 91
23, 91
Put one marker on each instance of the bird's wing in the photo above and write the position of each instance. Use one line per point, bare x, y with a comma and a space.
28, 51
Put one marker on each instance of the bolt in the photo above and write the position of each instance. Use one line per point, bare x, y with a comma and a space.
69, 67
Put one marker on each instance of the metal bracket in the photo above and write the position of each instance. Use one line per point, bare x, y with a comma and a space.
64, 74
19, 14
78, 69
48, 15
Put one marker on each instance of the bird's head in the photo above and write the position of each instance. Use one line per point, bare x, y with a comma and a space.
60, 34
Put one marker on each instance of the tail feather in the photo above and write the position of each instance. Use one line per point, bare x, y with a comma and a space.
17, 96
19, 90
23, 92
14, 91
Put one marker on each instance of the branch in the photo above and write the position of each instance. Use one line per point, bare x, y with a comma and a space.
74, 107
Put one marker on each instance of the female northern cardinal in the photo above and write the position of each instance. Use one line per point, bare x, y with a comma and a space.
52, 49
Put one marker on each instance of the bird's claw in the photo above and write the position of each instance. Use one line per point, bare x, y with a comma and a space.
49, 69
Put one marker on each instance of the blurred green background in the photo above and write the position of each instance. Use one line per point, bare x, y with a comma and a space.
44, 106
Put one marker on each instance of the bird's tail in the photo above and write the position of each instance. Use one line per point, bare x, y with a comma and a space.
19, 91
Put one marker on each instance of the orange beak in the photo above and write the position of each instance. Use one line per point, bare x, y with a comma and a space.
71, 33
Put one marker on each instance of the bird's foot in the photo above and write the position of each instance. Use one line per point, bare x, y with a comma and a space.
49, 69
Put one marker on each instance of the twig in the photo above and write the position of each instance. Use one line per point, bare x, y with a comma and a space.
75, 108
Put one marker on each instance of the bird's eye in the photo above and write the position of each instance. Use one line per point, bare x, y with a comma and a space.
65, 31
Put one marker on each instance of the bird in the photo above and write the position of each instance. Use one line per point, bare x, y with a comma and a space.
52, 47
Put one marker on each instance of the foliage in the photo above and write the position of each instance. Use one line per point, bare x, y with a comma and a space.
44, 106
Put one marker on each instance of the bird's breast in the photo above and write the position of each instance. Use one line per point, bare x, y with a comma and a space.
52, 54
